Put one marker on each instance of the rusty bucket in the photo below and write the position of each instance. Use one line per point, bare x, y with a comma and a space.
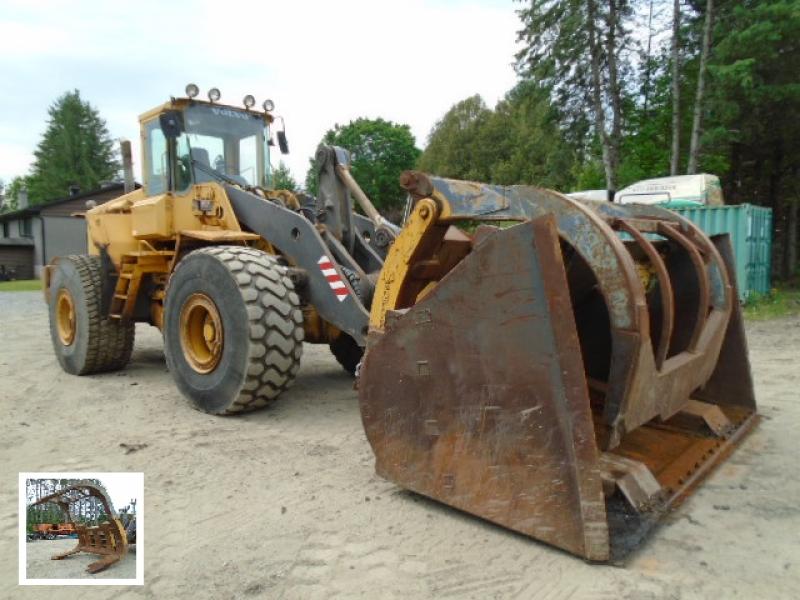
570, 375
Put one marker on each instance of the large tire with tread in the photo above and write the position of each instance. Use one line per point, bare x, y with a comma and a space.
256, 334
344, 348
96, 343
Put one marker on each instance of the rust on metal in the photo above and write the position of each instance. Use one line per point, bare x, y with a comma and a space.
528, 376
664, 285
107, 539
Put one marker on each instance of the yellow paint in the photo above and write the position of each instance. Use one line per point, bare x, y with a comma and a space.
222, 236
317, 329
144, 235
151, 218
201, 333
647, 275
181, 103
400, 259
426, 290
134, 222
188, 216
65, 317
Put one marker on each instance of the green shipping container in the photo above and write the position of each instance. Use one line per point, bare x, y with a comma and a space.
750, 228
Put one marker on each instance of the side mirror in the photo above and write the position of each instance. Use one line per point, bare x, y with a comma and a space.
283, 143
171, 123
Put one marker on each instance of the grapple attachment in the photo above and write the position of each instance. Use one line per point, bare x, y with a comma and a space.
107, 539
570, 376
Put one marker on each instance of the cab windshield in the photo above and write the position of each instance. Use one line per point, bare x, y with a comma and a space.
228, 141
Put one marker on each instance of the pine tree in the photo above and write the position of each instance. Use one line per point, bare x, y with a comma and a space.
282, 178
577, 51
76, 149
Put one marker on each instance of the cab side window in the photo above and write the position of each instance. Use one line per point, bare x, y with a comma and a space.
156, 159
248, 160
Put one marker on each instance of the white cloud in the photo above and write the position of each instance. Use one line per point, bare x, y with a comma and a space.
122, 488
321, 62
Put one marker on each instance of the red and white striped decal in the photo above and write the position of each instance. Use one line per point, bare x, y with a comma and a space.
337, 285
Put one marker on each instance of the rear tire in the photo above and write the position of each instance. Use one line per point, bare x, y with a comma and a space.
347, 352
233, 329
84, 339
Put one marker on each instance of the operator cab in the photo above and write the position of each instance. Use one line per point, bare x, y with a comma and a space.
188, 141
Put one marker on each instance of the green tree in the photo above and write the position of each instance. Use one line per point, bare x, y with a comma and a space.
752, 132
517, 142
523, 142
646, 147
282, 178
12, 191
453, 148
380, 151
577, 50
76, 149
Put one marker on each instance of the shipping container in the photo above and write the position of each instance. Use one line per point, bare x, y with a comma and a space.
750, 228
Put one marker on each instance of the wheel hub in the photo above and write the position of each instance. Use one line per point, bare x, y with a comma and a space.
65, 317
201, 333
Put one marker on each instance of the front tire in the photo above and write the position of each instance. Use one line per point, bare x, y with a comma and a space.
233, 329
84, 339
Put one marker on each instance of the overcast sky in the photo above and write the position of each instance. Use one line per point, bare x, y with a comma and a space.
122, 487
320, 62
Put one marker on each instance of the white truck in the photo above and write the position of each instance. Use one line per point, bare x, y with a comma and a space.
678, 191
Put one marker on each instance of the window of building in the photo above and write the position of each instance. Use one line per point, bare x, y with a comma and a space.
26, 228
5, 229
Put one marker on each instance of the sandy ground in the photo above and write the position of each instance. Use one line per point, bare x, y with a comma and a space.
40, 566
284, 503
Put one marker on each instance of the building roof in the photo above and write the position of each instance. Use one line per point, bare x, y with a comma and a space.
37, 208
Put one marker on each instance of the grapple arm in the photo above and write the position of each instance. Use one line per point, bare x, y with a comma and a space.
108, 539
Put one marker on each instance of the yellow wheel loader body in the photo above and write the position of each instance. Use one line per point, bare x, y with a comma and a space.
569, 377
235, 274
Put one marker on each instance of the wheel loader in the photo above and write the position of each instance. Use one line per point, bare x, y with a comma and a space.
567, 369
235, 274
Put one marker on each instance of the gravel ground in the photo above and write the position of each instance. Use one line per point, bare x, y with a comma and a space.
40, 566
284, 503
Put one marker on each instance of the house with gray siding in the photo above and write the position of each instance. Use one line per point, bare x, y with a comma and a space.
32, 236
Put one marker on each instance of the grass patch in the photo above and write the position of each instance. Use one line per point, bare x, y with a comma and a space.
21, 285
779, 302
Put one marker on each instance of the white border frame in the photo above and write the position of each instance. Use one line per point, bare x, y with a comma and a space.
22, 557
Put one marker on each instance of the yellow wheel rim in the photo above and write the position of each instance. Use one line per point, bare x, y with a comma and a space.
201, 333
65, 317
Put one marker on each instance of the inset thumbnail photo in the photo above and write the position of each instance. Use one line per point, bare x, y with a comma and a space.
81, 528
